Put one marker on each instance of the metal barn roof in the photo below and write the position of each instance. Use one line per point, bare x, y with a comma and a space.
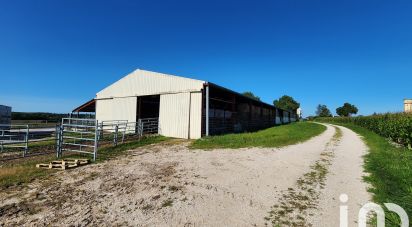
142, 82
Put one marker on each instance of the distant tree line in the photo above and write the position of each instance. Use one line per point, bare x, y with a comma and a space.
285, 102
346, 110
50, 117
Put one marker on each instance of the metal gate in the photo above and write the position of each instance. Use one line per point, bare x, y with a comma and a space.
148, 126
113, 128
78, 135
83, 135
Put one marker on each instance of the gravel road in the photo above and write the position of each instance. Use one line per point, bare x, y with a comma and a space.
169, 185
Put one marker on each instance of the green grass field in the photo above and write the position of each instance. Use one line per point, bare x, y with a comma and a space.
390, 172
277, 136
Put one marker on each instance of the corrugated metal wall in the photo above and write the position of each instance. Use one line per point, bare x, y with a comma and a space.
176, 111
195, 115
174, 115
116, 109
141, 82
104, 109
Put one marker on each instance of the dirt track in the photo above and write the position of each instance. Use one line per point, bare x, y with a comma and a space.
169, 185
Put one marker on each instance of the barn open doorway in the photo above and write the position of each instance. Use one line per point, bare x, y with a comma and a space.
148, 107
147, 114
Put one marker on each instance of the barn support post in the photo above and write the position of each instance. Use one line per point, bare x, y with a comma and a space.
207, 110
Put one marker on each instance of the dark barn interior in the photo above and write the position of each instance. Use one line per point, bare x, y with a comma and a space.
231, 112
147, 107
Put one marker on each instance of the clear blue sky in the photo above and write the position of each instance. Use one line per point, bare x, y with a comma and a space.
54, 55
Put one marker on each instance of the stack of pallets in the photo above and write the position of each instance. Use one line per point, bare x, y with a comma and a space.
64, 164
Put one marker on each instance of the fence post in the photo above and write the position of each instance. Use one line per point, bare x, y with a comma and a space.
26, 141
101, 133
96, 131
116, 130
57, 135
141, 127
61, 136
124, 132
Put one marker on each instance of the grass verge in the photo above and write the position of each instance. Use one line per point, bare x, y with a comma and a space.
272, 137
390, 172
25, 171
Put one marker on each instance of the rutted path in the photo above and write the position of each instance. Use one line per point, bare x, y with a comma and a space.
345, 177
169, 185
299, 203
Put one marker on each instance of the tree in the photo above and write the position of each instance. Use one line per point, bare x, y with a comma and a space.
251, 95
287, 103
323, 111
347, 110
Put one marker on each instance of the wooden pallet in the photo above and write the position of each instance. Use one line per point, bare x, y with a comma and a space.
64, 164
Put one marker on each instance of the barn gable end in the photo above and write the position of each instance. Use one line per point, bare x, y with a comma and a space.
142, 83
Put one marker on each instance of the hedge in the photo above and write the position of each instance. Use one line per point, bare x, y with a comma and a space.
395, 126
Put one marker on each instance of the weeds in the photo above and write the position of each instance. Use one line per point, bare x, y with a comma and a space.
167, 203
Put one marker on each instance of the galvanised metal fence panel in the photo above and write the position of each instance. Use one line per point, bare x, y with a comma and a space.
14, 137
84, 135
78, 135
149, 125
113, 128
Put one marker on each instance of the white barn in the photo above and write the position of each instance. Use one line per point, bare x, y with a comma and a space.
185, 108
180, 101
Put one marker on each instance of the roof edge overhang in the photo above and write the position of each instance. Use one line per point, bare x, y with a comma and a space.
244, 96
87, 107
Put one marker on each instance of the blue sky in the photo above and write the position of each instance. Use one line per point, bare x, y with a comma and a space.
55, 55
